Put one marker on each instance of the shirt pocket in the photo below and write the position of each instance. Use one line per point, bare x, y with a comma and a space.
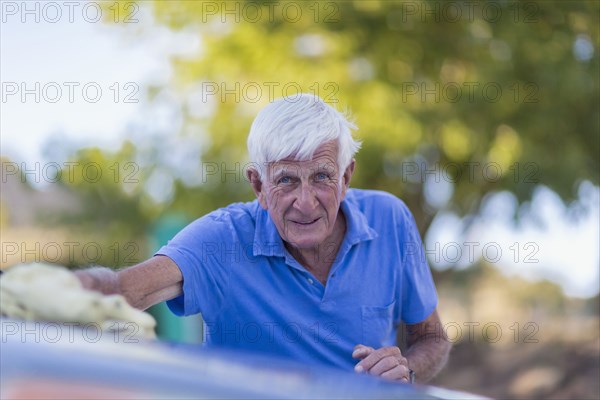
377, 325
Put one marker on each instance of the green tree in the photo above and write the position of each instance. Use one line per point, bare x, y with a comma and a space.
496, 97
491, 96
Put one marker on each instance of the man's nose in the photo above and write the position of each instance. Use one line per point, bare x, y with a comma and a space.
306, 199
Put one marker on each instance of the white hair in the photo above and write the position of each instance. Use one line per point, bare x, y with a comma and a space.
297, 127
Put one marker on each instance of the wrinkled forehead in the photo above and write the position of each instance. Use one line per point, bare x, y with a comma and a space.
301, 168
324, 159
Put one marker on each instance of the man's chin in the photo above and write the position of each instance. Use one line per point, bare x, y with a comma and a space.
301, 243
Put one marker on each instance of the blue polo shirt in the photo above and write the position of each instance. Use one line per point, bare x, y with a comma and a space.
254, 295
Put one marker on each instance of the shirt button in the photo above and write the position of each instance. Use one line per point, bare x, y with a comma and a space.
310, 281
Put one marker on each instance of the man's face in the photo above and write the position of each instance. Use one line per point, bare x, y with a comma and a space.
303, 197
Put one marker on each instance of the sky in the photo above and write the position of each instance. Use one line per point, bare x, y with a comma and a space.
70, 61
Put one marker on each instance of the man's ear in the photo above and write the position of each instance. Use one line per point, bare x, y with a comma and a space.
348, 173
257, 186
347, 177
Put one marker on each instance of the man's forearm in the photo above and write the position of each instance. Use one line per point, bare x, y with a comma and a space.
427, 347
428, 356
143, 285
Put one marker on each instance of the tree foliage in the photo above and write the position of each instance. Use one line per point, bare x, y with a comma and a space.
453, 100
494, 98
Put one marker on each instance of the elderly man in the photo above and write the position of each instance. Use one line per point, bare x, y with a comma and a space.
311, 270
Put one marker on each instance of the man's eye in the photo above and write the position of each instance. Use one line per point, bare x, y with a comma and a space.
321, 176
284, 180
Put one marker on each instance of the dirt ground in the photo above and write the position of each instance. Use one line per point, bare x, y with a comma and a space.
537, 371
549, 346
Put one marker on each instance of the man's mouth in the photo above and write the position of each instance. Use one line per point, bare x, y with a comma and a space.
306, 222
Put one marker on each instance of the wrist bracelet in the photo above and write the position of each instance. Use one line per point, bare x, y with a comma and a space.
412, 376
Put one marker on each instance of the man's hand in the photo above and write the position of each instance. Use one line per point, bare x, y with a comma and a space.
100, 279
386, 362
143, 285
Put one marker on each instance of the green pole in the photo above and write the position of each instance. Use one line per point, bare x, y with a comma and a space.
170, 327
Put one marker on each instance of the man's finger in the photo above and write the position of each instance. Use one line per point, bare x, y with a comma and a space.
400, 373
384, 365
373, 358
362, 346
361, 351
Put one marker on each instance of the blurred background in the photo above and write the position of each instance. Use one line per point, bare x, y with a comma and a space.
123, 121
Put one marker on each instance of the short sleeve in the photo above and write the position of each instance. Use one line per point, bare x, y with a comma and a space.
419, 296
198, 252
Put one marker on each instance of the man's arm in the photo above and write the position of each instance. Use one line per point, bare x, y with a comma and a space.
426, 355
143, 285
427, 347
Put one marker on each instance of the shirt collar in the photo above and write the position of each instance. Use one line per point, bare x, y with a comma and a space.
357, 226
267, 241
